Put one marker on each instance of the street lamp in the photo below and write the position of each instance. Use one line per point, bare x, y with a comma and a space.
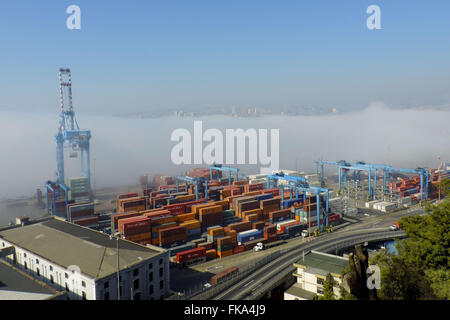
116, 236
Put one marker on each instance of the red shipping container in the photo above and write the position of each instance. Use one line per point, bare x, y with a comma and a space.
176, 208
191, 254
134, 225
238, 249
87, 221
274, 192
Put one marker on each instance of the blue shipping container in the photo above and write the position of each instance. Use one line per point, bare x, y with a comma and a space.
264, 196
250, 236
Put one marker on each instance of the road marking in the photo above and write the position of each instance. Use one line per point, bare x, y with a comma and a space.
249, 283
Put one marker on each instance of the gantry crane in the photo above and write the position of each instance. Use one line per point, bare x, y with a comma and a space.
344, 167
219, 167
302, 185
69, 133
196, 182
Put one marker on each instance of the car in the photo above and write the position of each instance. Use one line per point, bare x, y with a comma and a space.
393, 228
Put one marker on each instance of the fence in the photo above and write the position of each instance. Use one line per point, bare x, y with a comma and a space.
201, 292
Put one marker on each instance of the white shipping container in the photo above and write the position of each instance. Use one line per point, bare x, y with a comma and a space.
284, 222
243, 233
371, 204
387, 206
405, 200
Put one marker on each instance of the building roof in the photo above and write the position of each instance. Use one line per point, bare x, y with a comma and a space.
67, 244
17, 285
323, 263
297, 291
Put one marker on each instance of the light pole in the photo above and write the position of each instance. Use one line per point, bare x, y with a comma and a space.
116, 236
94, 177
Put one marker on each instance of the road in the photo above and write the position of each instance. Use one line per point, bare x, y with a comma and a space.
284, 265
198, 274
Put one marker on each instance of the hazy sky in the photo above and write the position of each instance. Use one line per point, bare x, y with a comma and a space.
136, 55
124, 149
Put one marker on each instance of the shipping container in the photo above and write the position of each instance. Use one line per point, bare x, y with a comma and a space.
249, 235
190, 254
224, 275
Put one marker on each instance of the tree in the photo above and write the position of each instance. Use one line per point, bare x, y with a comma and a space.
421, 268
328, 285
400, 281
356, 278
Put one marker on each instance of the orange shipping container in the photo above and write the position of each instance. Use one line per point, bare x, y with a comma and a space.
252, 218
132, 204
216, 231
140, 237
240, 182
224, 203
210, 210
223, 254
253, 193
195, 208
185, 198
185, 217
211, 254
191, 224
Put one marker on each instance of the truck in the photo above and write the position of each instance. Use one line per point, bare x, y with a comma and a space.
258, 247
395, 226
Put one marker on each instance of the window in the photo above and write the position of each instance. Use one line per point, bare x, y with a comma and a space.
320, 281
161, 284
37, 261
135, 272
25, 265
106, 296
66, 275
150, 290
51, 268
319, 290
161, 272
136, 284
106, 285
150, 266
150, 276
83, 284
83, 295
24, 255
51, 279
160, 261
37, 272
67, 287
3, 244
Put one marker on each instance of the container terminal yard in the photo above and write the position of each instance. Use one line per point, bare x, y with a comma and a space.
215, 232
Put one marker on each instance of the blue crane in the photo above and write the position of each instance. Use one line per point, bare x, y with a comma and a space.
300, 181
69, 133
344, 167
387, 173
219, 167
196, 182
302, 185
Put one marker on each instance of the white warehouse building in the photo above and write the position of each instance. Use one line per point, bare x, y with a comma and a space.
311, 274
85, 262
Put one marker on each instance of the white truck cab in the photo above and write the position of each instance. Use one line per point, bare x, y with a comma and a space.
258, 247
